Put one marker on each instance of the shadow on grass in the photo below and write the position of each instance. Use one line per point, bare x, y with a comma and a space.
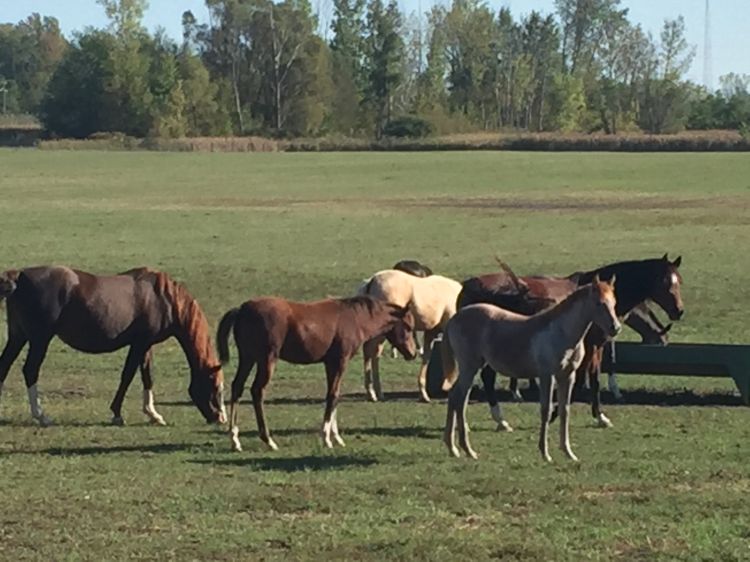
307, 400
155, 448
636, 397
294, 464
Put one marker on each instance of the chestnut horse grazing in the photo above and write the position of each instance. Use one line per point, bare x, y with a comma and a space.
548, 346
432, 301
328, 331
101, 314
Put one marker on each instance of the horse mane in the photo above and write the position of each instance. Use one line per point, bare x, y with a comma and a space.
360, 301
187, 314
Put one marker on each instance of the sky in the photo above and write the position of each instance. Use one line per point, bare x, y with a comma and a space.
730, 39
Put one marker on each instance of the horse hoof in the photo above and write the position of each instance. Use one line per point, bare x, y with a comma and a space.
504, 426
236, 447
547, 458
371, 396
272, 444
339, 441
118, 421
472, 454
158, 421
455, 453
44, 421
603, 421
423, 397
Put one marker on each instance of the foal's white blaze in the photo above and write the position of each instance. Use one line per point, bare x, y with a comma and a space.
36, 406
150, 410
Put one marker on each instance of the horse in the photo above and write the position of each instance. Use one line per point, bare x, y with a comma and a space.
644, 322
101, 314
328, 331
548, 346
412, 267
432, 301
657, 280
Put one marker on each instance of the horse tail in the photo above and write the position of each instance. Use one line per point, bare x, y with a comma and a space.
365, 286
8, 283
222, 334
450, 371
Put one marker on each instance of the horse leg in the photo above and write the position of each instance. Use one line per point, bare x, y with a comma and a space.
238, 386
449, 436
148, 393
13, 347
262, 377
488, 381
34, 359
614, 388
334, 372
546, 382
371, 351
515, 394
464, 384
564, 392
429, 335
594, 371
136, 357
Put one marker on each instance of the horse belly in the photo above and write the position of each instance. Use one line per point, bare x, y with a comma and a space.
95, 333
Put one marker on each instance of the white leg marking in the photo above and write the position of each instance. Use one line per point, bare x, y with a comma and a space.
272, 444
502, 425
150, 410
603, 421
326, 433
36, 407
235, 436
516, 396
335, 429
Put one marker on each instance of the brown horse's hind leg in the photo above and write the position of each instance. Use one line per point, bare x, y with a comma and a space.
148, 393
34, 360
238, 387
132, 361
334, 372
262, 377
12, 349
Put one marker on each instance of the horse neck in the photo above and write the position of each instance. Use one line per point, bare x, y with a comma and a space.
633, 284
373, 323
192, 333
572, 317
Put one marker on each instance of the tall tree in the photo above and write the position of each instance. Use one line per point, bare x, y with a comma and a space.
384, 54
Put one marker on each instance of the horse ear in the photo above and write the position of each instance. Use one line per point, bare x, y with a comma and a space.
596, 279
677, 262
612, 280
665, 257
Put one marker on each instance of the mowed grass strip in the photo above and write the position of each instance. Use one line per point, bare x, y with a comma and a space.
667, 482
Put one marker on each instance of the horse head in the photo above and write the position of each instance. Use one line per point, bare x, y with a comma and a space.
603, 296
666, 292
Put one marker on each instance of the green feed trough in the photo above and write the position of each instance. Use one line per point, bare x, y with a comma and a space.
680, 359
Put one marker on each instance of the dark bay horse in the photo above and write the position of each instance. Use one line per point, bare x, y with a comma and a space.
328, 331
657, 280
100, 314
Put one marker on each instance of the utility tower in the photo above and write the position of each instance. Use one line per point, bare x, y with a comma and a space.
707, 73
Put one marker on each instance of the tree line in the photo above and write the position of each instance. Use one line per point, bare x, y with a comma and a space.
261, 67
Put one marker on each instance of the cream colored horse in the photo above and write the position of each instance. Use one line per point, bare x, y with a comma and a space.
548, 346
432, 301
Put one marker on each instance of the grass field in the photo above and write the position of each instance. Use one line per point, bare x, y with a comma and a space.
664, 483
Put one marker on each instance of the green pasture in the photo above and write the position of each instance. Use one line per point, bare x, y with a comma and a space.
666, 483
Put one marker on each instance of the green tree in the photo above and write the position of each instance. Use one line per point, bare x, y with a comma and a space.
384, 54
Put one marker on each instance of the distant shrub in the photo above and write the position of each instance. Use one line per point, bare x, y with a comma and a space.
408, 126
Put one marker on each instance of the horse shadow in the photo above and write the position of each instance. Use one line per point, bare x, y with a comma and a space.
635, 397
306, 463
155, 448
309, 401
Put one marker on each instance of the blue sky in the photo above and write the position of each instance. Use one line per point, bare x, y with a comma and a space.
729, 21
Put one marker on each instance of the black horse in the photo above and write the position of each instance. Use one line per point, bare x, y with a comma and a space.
657, 280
